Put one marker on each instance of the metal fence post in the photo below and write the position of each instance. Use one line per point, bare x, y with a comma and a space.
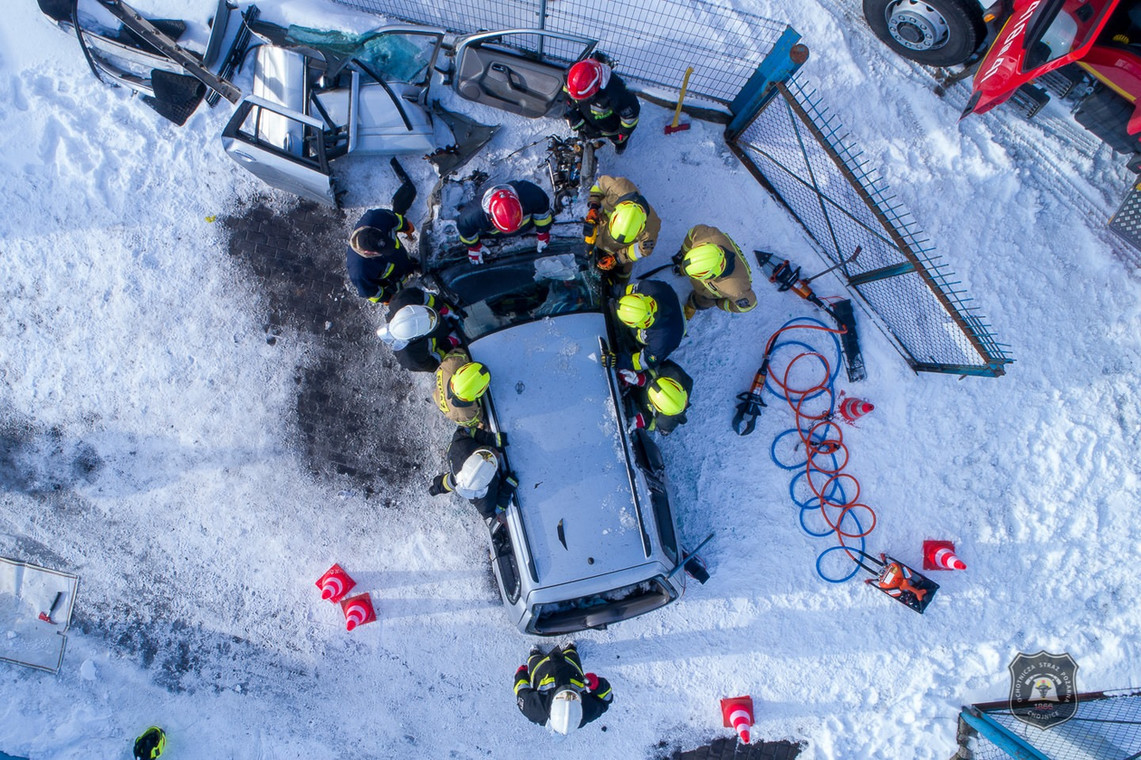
998, 735
783, 60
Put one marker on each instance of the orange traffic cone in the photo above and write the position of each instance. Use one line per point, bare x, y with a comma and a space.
852, 409
358, 611
940, 555
738, 713
335, 583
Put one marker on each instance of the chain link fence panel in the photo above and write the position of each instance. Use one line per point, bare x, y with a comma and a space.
651, 41
1106, 726
795, 148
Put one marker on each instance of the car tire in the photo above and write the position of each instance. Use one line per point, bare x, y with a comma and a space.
1106, 114
930, 32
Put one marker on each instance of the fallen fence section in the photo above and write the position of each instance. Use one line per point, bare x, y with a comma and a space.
651, 41
35, 613
794, 148
1106, 725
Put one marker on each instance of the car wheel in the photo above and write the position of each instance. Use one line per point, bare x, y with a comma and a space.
931, 32
1106, 114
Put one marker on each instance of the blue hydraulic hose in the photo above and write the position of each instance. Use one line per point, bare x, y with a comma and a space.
836, 489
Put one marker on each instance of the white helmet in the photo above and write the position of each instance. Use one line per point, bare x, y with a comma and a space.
412, 322
566, 710
383, 333
475, 476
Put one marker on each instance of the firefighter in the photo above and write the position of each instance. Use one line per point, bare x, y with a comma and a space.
717, 270
660, 396
600, 105
509, 209
620, 226
476, 472
421, 329
553, 689
377, 261
460, 383
652, 312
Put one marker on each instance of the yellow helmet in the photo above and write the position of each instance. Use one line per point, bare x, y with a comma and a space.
637, 310
667, 396
627, 221
468, 384
704, 262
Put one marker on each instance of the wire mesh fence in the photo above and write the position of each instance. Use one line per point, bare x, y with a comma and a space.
795, 148
651, 41
1106, 726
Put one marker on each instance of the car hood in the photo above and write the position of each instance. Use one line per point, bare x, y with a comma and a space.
551, 396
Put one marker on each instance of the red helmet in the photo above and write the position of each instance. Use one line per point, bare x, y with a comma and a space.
501, 204
585, 79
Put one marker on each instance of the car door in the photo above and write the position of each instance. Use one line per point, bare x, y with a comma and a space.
517, 70
285, 149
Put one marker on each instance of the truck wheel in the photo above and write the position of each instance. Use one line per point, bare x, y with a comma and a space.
1106, 114
931, 32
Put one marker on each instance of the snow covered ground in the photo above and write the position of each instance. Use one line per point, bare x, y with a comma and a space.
152, 441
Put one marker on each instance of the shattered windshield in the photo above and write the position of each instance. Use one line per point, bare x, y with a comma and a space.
395, 56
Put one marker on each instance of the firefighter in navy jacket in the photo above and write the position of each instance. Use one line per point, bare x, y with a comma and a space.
509, 209
600, 105
377, 261
653, 313
552, 688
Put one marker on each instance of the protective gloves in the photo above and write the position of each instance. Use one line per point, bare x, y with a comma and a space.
630, 377
475, 255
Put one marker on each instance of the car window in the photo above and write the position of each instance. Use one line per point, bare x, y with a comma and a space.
396, 56
1058, 37
520, 289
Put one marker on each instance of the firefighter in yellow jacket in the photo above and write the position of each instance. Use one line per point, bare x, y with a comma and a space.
620, 225
718, 272
460, 383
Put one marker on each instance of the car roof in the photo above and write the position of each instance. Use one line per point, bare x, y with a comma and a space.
552, 397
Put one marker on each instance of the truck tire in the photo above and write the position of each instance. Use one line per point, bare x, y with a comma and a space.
1106, 114
930, 32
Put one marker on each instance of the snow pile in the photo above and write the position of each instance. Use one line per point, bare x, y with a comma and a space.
149, 435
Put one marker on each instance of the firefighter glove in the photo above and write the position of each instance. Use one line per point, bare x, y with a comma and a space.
608, 359
606, 262
438, 486
592, 217
411, 228
639, 421
475, 255
630, 377
591, 681
543, 241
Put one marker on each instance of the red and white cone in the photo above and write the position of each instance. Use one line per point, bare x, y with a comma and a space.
738, 713
940, 555
335, 583
358, 611
852, 409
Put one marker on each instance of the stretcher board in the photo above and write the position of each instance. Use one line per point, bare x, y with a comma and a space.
26, 591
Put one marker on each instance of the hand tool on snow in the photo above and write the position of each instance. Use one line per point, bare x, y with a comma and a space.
47, 616
692, 563
787, 277
674, 126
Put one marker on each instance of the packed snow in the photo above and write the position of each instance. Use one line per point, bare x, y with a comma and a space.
150, 442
